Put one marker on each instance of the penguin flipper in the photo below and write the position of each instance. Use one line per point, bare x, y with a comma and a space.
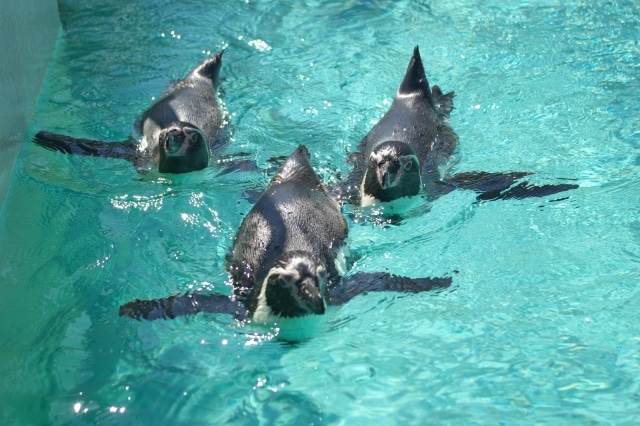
486, 183
239, 166
526, 190
126, 150
442, 101
177, 305
499, 186
348, 189
365, 282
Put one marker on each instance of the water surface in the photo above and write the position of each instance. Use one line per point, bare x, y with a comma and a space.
541, 325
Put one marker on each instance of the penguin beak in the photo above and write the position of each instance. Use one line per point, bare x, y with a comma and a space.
178, 142
387, 175
174, 145
310, 295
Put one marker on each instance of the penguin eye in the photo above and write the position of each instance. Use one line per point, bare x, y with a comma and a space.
406, 161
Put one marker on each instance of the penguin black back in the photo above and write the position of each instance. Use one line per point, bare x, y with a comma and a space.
419, 117
294, 214
191, 100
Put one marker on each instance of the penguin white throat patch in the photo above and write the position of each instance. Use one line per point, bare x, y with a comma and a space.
291, 290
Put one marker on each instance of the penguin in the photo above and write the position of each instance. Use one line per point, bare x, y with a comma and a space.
176, 134
284, 251
403, 153
286, 258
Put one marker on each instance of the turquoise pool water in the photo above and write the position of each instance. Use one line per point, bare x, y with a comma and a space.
542, 324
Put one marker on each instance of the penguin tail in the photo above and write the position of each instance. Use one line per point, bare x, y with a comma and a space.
210, 68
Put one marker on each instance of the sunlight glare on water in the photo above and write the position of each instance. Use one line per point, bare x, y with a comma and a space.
540, 325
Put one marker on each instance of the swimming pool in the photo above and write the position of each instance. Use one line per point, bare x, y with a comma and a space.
541, 325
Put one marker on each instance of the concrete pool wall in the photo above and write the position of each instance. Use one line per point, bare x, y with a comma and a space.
28, 30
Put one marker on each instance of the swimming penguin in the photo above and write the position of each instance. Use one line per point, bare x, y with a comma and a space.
284, 259
177, 132
402, 154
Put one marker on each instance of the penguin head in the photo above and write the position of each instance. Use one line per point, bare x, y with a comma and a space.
393, 171
295, 285
183, 148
